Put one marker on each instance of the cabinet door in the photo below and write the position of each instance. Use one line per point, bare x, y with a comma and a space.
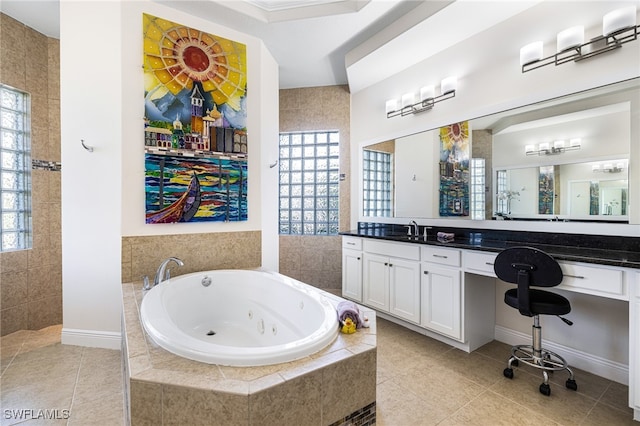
441, 300
376, 281
634, 344
404, 285
352, 274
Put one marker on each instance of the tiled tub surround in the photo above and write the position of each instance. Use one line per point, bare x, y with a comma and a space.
141, 255
334, 386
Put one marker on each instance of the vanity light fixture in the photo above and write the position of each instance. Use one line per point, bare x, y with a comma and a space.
408, 104
618, 27
558, 147
608, 168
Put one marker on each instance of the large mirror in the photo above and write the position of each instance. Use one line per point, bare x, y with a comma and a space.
564, 159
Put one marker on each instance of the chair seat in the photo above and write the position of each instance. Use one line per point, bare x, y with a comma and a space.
542, 302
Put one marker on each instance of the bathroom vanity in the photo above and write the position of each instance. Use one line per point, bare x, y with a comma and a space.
448, 290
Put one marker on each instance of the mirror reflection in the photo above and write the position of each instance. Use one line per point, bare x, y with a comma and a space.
580, 191
571, 156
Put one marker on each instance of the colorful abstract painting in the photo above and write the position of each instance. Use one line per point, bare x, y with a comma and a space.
454, 169
594, 198
546, 185
195, 135
195, 189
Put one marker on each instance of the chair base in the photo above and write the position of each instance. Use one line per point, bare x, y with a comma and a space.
542, 359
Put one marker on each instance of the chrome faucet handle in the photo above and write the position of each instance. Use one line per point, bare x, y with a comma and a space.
145, 282
424, 231
408, 229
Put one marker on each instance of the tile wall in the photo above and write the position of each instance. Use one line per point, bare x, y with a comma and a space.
199, 252
31, 280
317, 260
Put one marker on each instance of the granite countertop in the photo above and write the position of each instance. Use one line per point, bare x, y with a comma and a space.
578, 248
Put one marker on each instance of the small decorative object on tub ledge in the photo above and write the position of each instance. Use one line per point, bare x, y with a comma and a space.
348, 326
350, 317
445, 237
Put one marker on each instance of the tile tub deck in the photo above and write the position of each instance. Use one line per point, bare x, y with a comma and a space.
334, 386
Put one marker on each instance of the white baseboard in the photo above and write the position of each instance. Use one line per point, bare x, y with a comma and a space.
593, 364
91, 338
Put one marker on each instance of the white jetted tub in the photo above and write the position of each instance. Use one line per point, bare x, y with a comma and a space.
238, 317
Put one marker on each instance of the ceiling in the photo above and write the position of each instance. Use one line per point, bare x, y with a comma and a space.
328, 42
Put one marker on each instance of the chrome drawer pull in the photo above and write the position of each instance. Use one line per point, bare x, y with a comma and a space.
351, 244
440, 256
488, 263
580, 277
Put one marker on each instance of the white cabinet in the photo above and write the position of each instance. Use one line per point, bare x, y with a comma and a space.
441, 300
404, 288
634, 343
480, 263
391, 278
376, 281
441, 296
352, 268
392, 285
597, 280
352, 274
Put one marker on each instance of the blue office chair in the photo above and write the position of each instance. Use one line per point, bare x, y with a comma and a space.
529, 267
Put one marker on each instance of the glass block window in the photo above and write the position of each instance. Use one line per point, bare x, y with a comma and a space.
309, 183
377, 171
501, 190
477, 188
15, 170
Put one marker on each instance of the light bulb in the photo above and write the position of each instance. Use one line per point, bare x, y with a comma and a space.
530, 53
570, 38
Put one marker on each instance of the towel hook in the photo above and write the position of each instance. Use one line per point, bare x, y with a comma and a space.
272, 165
88, 148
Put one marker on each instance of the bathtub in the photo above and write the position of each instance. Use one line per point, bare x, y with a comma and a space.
238, 317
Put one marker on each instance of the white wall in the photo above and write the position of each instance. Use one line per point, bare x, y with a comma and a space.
490, 80
416, 174
103, 192
91, 96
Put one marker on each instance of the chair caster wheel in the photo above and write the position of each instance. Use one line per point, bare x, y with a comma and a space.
515, 363
508, 373
545, 389
571, 384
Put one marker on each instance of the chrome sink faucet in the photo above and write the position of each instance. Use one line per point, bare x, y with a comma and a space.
416, 228
162, 273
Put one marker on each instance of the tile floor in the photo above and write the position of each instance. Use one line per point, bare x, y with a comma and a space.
420, 382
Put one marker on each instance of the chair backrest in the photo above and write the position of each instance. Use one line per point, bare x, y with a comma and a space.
542, 269
526, 267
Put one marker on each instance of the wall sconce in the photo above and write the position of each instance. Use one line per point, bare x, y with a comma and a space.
608, 168
558, 147
618, 27
448, 88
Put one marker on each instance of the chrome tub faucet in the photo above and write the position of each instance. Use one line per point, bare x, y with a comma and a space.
162, 273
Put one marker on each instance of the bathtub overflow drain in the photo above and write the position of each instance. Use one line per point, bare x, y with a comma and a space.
211, 333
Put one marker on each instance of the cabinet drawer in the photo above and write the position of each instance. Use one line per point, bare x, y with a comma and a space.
593, 280
442, 256
353, 243
405, 251
480, 263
